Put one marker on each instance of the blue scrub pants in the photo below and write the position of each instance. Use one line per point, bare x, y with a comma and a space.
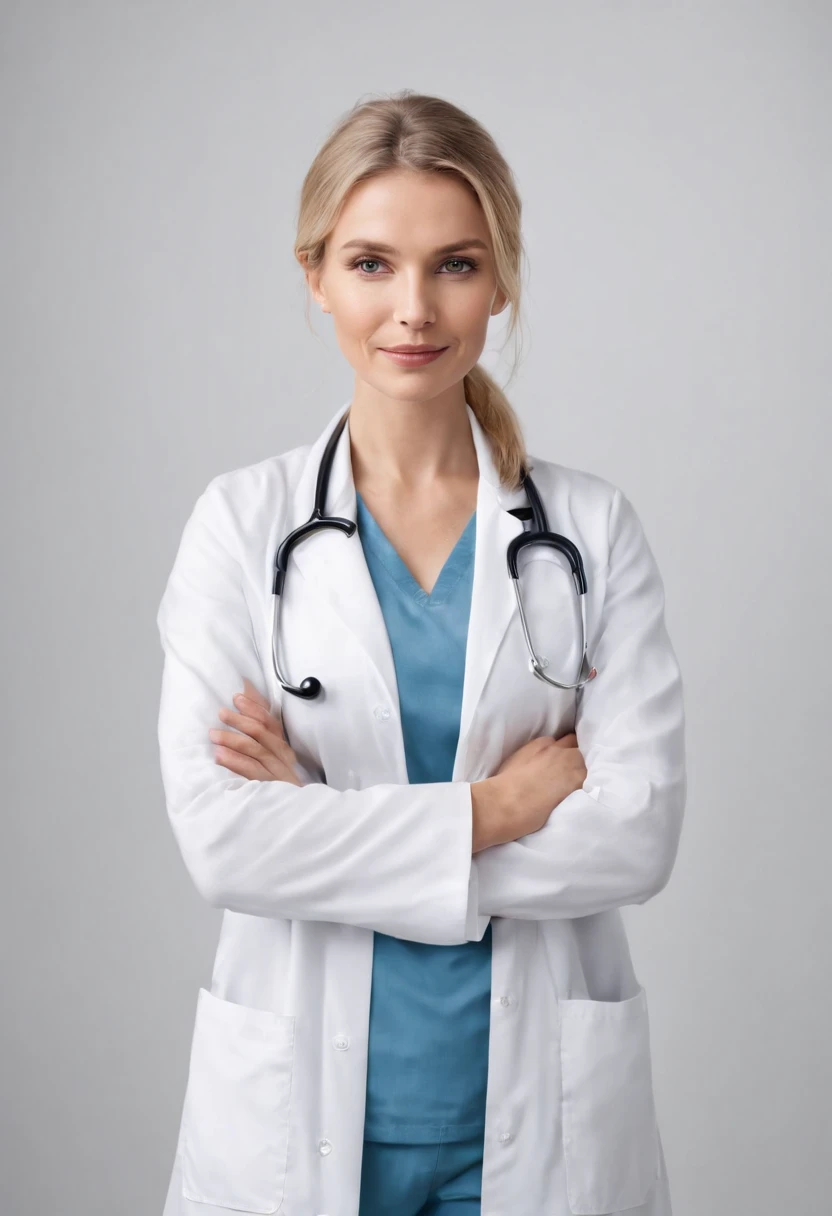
443, 1179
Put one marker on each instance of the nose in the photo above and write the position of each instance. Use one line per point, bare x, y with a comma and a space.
414, 304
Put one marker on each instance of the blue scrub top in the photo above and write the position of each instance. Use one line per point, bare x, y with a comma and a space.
430, 1006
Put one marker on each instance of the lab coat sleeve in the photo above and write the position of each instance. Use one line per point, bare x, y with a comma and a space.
392, 858
614, 841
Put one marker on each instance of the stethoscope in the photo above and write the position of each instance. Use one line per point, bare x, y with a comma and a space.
539, 534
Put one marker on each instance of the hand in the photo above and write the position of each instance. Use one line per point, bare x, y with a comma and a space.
533, 780
256, 748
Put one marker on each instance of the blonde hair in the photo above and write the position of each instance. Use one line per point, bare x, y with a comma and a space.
408, 130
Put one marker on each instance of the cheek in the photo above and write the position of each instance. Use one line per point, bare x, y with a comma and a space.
469, 313
356, 316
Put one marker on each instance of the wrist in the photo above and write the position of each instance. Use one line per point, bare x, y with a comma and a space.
489, 813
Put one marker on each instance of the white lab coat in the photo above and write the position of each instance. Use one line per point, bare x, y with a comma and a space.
273, 1112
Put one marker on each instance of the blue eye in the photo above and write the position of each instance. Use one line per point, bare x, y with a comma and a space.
468, 262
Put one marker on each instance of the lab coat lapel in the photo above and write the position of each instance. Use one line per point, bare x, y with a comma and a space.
336, 568
493, 602
334, 564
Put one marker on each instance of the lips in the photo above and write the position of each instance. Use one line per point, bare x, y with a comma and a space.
413, 348
414, 356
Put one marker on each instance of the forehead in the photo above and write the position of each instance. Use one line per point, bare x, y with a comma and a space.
407, 210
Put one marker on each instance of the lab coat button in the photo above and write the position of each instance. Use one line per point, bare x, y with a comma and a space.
382, 713
341, 1041
505, 1000
324, 1147
505, 1137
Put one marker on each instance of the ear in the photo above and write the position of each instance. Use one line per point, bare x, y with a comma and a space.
313, 280
499, 303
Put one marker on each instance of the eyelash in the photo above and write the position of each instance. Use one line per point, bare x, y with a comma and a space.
456, 275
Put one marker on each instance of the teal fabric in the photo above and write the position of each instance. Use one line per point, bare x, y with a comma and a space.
442, 1179
430, 1005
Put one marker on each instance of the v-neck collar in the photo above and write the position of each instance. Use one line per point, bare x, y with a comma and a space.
456, 563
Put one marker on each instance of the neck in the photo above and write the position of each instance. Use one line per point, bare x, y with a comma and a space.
410, 446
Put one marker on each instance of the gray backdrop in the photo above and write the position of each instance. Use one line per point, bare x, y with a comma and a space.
674, 165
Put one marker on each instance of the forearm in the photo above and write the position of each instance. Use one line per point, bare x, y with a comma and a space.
390, 858
592, 854
614, 841
490, 816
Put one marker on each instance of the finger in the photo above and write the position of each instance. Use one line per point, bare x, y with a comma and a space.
240, 742
570, 740
263, 732
253, 694
269, 768
255, 709
273, 753
243, 766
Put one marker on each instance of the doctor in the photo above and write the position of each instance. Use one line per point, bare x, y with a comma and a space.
423, 1001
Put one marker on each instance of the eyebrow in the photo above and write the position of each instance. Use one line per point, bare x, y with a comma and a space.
360, 243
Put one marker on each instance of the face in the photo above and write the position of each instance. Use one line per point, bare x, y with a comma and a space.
413, 277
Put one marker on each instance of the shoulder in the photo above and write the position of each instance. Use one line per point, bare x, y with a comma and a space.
585, 490
245, 497
601, 519
593, 511
580, 504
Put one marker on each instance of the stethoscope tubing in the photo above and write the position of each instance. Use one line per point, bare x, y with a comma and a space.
539, 533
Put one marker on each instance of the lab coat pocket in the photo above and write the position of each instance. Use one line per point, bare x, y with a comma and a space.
610, 1134
236, 1111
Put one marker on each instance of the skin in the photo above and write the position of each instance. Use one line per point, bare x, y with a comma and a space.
412, 452
413, 456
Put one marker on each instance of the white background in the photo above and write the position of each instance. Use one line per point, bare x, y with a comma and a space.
673, 159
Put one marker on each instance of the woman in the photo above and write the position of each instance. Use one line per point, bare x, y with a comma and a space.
423, 1000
